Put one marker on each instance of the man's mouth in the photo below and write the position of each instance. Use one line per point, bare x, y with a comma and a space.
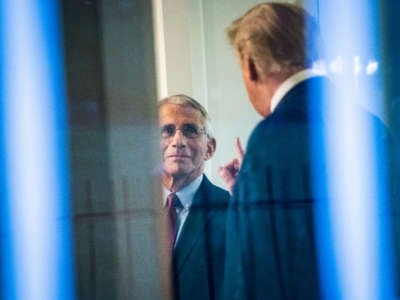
178, 156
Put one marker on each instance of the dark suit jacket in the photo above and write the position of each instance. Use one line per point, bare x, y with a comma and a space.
271, 244
270, 227
199, 253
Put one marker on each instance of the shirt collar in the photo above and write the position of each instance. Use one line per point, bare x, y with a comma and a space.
186, 194
289, 83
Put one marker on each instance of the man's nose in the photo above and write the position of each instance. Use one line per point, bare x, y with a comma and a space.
178, 140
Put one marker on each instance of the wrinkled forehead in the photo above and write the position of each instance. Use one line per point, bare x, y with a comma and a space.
171, 113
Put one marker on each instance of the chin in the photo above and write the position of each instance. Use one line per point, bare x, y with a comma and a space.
263, 111
175, 170
261, 105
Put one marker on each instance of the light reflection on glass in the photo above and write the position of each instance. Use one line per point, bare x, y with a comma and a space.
338, 66
352, 235
35, 223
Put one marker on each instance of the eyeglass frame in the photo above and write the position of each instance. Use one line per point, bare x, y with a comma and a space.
199, 131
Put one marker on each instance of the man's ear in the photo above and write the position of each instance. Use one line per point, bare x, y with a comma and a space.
211, 146
250, 69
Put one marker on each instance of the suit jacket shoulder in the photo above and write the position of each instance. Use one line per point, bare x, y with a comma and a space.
277, 163
210, 196
200, 250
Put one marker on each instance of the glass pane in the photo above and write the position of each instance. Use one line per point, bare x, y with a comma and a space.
111, 98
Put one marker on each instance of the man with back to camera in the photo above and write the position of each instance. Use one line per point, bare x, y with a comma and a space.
271, 247
271, 250
198, 205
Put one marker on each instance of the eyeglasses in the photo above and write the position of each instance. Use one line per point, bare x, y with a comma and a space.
190, 131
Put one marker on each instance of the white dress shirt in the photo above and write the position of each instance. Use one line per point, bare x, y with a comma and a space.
185, 196
289, 83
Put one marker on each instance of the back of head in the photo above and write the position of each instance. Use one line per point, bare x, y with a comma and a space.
277, 36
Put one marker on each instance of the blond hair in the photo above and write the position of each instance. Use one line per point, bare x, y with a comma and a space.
277, 36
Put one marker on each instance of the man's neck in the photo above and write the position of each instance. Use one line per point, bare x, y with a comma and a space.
175, 184
289, 83
275, 80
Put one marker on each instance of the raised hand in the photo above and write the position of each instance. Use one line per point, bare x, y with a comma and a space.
229, 171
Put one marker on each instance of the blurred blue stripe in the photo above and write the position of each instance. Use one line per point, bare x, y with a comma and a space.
37, 261
352, 212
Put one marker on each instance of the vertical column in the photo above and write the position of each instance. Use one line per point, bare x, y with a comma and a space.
172, 47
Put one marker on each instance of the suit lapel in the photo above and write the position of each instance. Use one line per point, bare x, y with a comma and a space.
194, 226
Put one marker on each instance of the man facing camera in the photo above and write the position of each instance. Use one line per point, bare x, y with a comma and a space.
197, 207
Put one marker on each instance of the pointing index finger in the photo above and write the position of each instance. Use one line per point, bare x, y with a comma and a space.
239, 148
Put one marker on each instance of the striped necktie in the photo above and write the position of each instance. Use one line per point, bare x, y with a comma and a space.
173, 205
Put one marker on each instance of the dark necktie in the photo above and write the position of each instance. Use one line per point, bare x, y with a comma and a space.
173, 205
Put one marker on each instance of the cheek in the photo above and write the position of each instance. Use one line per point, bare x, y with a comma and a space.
200, 152
163, 146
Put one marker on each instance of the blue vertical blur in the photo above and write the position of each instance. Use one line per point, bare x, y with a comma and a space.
36, 247
353, 212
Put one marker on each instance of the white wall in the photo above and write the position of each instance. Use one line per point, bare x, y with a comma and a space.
194, 57
216, 80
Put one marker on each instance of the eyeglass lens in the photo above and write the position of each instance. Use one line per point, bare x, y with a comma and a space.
188, 130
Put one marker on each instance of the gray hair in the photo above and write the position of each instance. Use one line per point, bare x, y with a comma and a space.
186, 101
